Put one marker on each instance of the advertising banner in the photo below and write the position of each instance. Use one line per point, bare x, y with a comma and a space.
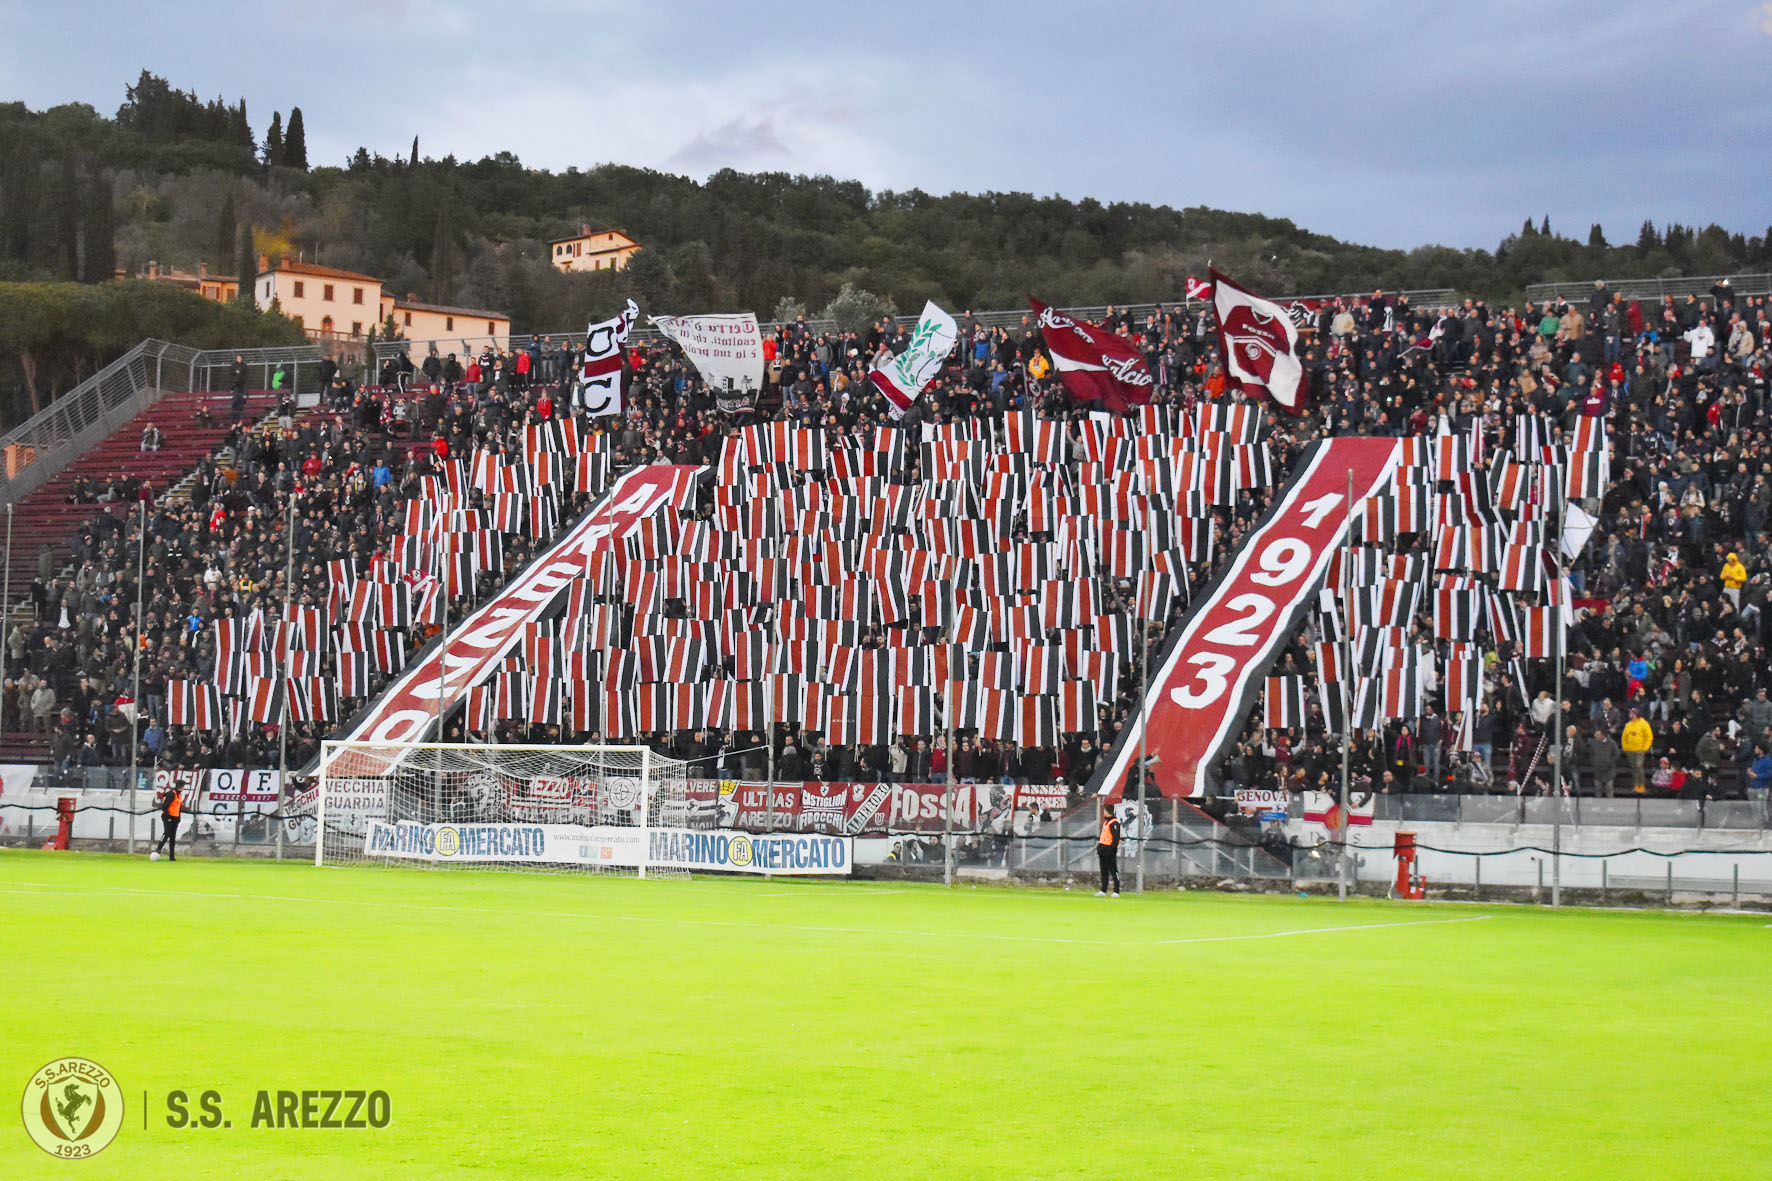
864, 809
225, 803
1262, 802
606, 845
350, 805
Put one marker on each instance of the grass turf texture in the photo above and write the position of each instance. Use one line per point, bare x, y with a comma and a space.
541, 1026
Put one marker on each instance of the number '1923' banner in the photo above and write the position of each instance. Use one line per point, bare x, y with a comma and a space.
1206, 679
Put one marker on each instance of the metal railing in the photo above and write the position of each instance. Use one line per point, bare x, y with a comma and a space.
1679, 287
1181, 845
1595, 811
1001, 318
39, 448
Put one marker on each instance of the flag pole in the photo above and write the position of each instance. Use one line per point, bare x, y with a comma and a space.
1557, 725
443, 642
283, 729
947, 824
1347, 706
1144, 685
6, 623
769, 715
135, 691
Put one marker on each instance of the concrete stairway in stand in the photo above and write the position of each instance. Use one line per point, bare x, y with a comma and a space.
47, 517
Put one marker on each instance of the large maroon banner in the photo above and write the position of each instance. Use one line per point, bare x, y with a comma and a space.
1206, 681
1094, 364
407, 708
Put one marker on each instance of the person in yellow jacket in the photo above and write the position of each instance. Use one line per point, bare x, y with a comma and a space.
1734, 575
1638, 738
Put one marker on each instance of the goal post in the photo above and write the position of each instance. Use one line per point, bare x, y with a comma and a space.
558, 809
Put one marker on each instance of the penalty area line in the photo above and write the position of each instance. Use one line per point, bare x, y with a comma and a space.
1320, 930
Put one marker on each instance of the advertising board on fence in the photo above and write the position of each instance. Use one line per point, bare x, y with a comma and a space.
350, 805
606, 845
227, 803
864, 809
1262, 802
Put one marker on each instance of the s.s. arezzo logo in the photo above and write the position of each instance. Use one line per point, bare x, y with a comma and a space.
1257, 339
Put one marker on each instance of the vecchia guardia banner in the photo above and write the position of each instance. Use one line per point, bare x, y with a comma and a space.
727, 351
904, 377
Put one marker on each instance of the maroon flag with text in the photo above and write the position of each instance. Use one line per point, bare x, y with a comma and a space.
1094, 364
1259, 344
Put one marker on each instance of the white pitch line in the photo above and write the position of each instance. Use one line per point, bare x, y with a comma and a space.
1321, 930
424, 908
996, 937
839, 891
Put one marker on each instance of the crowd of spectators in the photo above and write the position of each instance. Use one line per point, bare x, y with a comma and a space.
1670, 638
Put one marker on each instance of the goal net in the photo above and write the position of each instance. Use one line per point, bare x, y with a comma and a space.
559, 809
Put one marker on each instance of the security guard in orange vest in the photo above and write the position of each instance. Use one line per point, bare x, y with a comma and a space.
172, 809
1107, 850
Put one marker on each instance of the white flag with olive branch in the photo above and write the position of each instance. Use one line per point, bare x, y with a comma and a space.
904, 377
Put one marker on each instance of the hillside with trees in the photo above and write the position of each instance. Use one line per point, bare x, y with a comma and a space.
184, 181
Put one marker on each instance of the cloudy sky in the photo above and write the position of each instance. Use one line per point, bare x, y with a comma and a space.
1396, 124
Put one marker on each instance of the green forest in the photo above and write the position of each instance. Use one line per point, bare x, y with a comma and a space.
183, 181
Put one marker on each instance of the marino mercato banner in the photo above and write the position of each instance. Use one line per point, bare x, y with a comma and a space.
606, 845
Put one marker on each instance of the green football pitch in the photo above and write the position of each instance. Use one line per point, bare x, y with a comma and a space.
552, 1026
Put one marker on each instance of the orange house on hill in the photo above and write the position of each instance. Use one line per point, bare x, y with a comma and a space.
604, 250
327, 302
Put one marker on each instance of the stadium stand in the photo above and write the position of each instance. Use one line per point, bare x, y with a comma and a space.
1668, 624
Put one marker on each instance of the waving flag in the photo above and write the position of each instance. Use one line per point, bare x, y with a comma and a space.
598, 391
1259, 344
905, 376
1094, 364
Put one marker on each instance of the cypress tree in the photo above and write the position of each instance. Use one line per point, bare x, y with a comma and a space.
443, 258
67, 221
226, 234
100, 262
274, 141
295, 142
247, 265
